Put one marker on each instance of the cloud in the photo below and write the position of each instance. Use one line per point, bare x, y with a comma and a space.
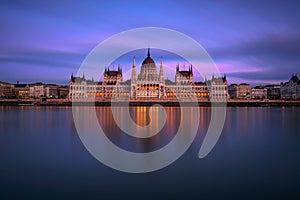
269, 57
42, 58
248, 41
269, 45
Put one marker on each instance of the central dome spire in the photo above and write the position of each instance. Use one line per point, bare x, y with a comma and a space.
148, 60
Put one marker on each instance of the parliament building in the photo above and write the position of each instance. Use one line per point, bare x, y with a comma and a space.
148, 85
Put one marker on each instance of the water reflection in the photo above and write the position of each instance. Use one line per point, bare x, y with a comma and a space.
258, 151
141, 116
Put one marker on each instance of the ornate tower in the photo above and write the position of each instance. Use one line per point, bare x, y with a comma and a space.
133, 74
161, 72
161, 80
133, 79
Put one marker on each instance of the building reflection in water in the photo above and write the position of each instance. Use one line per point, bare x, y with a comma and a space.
142, 116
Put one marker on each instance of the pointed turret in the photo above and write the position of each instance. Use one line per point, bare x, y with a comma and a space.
161, 71
161, 80
134, 62
133, 74
72, 78
148, 54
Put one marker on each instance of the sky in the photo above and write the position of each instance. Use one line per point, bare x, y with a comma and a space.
257, 42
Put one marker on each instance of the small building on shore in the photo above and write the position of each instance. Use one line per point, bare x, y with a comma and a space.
259, 92
273, 92
37, 90
6, 90
52, 91
22, 91
239, 91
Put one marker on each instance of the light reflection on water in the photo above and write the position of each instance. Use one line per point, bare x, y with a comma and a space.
141, 116
259, 150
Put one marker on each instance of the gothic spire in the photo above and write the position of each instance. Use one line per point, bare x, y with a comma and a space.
148, 54
134, 62
133, 73
161, 71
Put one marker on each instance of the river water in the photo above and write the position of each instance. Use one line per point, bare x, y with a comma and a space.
257, 156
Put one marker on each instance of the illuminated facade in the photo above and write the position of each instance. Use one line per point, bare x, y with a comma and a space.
22, 91
149, 84
259, 92
6, 90
241, 91
291, 89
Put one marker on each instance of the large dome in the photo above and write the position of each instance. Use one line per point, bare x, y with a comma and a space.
148, 60
148, 70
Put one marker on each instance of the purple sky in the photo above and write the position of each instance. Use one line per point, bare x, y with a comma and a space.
256, 42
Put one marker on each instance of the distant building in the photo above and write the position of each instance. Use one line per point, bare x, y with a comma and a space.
273, 91
233, 91
259, 92
149, 84
63, 92
37, 90
6, 90
241, 91
52, 91
22, 91
291, 89
218, 88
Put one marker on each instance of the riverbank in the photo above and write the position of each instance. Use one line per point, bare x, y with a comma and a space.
64, 102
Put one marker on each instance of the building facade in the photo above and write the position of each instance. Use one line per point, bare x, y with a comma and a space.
6, 90
148, 84
291, 90
273, 91
37, 90
22, 91
239, 91
218, 88
259, 92
54, 91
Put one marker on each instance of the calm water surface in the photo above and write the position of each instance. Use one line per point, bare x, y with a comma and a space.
257, 156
